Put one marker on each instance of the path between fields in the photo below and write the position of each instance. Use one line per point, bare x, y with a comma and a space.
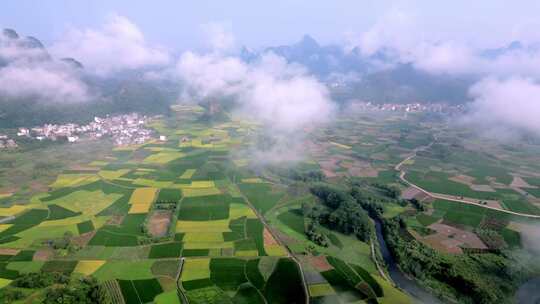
447, 196
276, 237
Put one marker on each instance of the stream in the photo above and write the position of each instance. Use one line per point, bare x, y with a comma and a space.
410, 286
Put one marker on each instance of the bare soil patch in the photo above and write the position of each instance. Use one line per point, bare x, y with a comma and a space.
519, 182
482, 188
451, 239
269, 238
158, 224
410, 193
320, 263
115, 220
83, 239
463, 179
9, 251
43, 254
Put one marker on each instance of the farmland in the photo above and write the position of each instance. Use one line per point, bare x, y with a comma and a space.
139, 218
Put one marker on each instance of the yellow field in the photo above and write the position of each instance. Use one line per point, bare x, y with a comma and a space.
191, 237
319, 290
112, 174
275, 250
4, 227
152, 183
139, 208
246, 253
12, 210
253, 180
163, 157
239, 210
241, 162
202, 184
208, 245
196, 269
87, 202
206, 226
341, 145
5, 195
98, 163
88, 267
66, 221
143, 196
191, 192
74, 180
188, 173
4, 282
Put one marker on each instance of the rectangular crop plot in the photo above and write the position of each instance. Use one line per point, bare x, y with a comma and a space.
227, 274
140, 291
168, 250
204, 208
85, 227
65, 267
143, 196
169, 196
261, 195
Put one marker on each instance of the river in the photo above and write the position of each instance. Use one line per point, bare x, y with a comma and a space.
529, 293
410, 286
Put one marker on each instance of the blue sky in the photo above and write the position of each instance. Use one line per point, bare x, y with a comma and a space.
176, 24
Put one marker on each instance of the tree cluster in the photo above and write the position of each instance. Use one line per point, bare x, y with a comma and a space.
471, 278
340, 212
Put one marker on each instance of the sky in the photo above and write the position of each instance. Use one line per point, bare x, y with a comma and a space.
195, 43
177, 24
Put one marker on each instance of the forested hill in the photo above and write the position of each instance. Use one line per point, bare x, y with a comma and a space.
128, 92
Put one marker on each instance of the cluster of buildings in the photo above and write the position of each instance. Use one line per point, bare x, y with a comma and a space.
126, 129
7, 143
410, 107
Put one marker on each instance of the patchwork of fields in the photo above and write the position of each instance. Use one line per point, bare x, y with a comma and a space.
188, 218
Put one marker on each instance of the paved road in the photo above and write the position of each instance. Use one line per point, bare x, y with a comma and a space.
447, 196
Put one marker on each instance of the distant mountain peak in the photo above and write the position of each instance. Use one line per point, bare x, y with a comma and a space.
309, 42
515, 45
10, 33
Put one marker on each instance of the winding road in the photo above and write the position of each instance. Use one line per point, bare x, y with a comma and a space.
447, 196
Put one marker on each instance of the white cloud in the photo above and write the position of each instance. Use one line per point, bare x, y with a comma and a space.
219, 36
506, 104
119, 44
272, 91
44, 82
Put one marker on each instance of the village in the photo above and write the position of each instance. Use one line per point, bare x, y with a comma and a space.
125, 129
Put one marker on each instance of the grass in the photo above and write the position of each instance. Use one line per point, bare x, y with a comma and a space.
74, 180
85, 227
262, 196
285, 284
169, 196
162, 158
425, 219
196, 269
12, 210
188, 173
294, 219
167, 250
113, 174
125, 270
86, 202
227, 273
